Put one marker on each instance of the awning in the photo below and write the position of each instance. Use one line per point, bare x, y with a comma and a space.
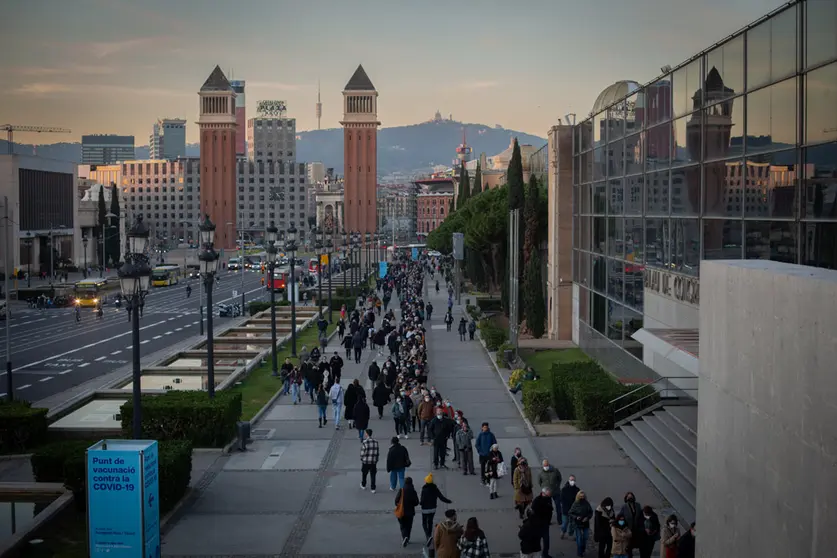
680, 346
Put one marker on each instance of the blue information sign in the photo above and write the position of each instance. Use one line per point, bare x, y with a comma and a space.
414, 253
382, 269
123, 514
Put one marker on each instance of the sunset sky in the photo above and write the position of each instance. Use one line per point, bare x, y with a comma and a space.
115, 66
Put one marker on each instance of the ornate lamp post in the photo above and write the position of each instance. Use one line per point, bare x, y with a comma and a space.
318, 248
135, 279
84, 241
356, 268
344, 266
290, 246
272, 254
209, 264
29, 244
368, 253
329, 244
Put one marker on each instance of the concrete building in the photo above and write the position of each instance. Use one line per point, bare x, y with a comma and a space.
271, 139
238, 86
43, 212
360, 152
766, 417
217, 124
316, 172
432, 208
106, 149
168, 139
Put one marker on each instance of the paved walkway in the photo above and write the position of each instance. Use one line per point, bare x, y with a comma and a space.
296, 492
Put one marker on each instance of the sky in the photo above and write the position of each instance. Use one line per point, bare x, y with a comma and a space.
116, 66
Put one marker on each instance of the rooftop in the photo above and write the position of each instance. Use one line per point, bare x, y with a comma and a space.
216, 81
359, 81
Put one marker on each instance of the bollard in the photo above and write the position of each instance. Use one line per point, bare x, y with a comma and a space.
243, 433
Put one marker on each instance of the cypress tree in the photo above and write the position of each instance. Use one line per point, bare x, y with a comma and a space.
464, 186
477, 180
515, 179
114, 247
530, 220
103, 222
532, 302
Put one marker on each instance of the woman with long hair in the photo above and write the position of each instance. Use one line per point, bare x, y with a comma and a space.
472, 543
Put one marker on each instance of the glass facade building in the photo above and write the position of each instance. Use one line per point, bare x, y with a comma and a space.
731, 155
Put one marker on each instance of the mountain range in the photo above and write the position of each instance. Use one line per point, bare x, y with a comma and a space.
401, 149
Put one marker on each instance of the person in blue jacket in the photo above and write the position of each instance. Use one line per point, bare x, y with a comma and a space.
485, 440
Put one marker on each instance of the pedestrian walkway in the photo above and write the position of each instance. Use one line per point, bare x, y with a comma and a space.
296, 491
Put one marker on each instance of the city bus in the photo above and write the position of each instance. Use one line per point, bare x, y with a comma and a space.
89, 293
282, 276
165, 275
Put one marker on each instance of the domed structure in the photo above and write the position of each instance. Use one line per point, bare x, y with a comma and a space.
613, 93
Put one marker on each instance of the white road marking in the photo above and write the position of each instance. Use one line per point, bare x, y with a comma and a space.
168, 333
100, 358
48, 378
181, 329
129, 347
143, 342
25, 386
67, 371
156, 337
172, 319
83, 364
116, 352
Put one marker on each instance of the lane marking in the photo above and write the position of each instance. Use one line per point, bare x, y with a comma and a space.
83, 364
100, 358
25, 386
116, 352
168, 333
48, 378
172, 319
156, 337
67, 371
178, 329
129, 347
143, 342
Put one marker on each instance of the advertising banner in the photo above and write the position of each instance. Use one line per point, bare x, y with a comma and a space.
414, 253
458, 246
382, 269
122, 499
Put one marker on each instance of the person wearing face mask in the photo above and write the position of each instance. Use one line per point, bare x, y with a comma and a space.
686, 545
651, 525
604, 518
516, 455
581, 513
426, 411
632, 510
568, 494
440, 430
670, 537
550, 477
399, 417
620, 532
408, 409
463, 444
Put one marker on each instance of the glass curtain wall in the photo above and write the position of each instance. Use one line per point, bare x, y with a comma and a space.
732, 155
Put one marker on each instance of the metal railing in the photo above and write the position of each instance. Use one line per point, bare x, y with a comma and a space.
635, 401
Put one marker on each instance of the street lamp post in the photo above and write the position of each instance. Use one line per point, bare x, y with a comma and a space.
329, 244
356, 268
318, 247
272, 253
290, 246
134, 279
84, 241
209, 264
344, 252
29, 244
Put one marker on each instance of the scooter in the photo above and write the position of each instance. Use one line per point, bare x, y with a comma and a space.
229, 310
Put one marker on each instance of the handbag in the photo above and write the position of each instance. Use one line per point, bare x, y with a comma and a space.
399, 509
501, 469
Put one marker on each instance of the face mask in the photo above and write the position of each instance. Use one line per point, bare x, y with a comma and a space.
433, 391
622, 522
631, 499
403, 393
608, 508
647, 516
572, 483
672, 525
546, 468
398, 400
439, 417
427, 400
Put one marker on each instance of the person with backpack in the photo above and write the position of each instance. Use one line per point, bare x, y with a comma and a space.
472, 329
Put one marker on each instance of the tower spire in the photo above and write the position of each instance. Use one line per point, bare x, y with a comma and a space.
319, 105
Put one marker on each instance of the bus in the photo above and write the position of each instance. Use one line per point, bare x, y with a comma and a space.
89, 293
282, 276
165, 275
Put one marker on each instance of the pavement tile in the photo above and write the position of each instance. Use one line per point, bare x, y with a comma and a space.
279, 455
359, 534
253, 493
229, 535
293, 412
293, 430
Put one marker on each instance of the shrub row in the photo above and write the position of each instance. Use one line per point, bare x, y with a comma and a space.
22, 426
492, 335
582, 391
187, 415
65, 462
536, 403
490, 304
260, 306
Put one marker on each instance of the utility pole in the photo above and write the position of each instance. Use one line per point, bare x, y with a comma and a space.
10, 394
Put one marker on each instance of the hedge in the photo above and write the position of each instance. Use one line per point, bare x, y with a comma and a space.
65, 462
187, 415
22, 426
492, 335
582, 391
260, 306
490, 304
536, 403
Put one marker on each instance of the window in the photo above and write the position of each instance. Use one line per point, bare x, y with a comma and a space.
821, 38
771, 49
728, 62
771, 117
820, 103
687, 85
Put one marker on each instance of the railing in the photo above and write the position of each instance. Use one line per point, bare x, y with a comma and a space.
647, 395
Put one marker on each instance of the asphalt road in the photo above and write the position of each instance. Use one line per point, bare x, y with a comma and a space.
51, 352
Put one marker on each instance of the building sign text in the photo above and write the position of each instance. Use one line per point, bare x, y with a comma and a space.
673, 285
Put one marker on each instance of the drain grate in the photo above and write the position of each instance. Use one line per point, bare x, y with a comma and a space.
262, 433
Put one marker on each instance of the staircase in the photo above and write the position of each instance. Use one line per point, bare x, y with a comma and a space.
663, 444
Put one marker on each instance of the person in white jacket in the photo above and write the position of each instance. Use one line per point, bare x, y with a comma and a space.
336, 395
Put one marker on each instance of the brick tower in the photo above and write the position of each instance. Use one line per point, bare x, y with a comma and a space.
360, 153
218, 164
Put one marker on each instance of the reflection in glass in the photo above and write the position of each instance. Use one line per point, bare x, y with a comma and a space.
728, 60
599, 198
686, 83
771, 49
615, 280
657, 103
575, 231
616, 158
685, 191
771, 117
615, 315
768, 187
721, 188
770, 240
633, 154
687, 140
722, 239
616, 237
657, 193
634, 189
585, 199
821, 23
820, 192
633, 323
586, 133
657, 242
585, 232
632, 121
821, 104
615, 197
599, 163
599, 274
721, 121
633, 240
819, 245
598, 312
658, 147
599, 234
586, 167
584, 269
615, 120
599, 131
685, 245
634, 286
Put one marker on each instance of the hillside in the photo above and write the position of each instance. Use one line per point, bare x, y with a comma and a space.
404, 149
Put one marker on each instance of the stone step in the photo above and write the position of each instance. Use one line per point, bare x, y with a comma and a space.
686, 415
660, 442
677, 428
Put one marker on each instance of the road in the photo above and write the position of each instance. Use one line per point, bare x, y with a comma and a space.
51, 352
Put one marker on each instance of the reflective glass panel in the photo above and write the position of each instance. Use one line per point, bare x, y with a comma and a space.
599, 235
727, 61
722, 188
633, 109
587, 166
687, 140
634, 189
724, 129
771, 49
657, 193
616, 237
658, 147
615, 323
632, 322
722, 239
599, 272
819, 245
598, 312
821, 104
685, 191
600, 198
633, 154
657, 242
599, 163
771, 117
633, 240
586, 131
769, 187
685, 245
599, 130
584, 269
634, 288
616, 197
657, 102
616, 158
584, 305
820, 191
585, 199
820, 35
770, 240
575, 232
687, 88
616, 121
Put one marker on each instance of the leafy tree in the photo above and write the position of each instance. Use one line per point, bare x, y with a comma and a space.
114, 245
464, 186
477, 180
103, 222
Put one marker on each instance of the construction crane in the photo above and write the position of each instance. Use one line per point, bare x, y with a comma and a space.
10, 129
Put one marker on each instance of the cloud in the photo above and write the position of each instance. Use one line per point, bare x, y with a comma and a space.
48, 89
478, 84
278, 85
38, 71
104, 49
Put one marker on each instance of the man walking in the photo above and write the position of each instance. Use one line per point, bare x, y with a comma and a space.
336, 395
464, 445
440, 430
550, 477
369, 454
485, 440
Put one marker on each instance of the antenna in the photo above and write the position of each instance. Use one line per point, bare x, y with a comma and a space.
319, 111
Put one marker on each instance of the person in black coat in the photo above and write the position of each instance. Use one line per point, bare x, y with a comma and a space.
336, 365
429, 499
350, 398
568, 492
380, 397
530, 535
411, 500
361, 415
398, 459
374, 372
357, 345
347, 344
686, 545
